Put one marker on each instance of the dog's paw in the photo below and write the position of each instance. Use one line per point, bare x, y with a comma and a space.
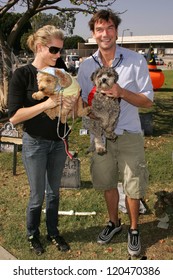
37, 95
63, 118
87, 110
100, 149
111, 135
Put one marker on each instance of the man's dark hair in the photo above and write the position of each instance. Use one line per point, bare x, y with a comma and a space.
104, 15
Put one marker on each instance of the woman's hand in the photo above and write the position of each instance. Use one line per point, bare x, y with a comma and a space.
53, 101
69, 101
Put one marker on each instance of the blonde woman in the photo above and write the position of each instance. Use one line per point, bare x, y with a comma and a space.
43, 152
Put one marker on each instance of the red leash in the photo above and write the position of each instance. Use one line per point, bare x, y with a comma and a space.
66, 149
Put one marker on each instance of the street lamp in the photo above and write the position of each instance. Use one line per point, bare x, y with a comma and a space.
123, 35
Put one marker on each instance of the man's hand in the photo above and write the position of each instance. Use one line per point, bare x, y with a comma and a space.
115, 92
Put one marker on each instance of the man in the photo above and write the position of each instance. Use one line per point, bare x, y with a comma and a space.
126, 154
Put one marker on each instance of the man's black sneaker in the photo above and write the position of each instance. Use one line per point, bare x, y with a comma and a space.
35, 245
134, 243
108, 232
60, 243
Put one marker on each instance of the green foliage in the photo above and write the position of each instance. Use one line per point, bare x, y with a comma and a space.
37, 22
7, 22
23, 41
159, 159
42, 19
72, 42
60, 21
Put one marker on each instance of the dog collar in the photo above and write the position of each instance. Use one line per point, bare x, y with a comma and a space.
91, 95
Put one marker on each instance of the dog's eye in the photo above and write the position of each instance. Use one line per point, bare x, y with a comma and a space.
109, 74
49, 81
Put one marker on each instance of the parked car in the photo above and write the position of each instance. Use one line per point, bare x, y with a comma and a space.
159, 61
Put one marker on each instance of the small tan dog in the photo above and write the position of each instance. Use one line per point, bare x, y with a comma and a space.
57, 81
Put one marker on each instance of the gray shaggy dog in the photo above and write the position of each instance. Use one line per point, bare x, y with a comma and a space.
105, 108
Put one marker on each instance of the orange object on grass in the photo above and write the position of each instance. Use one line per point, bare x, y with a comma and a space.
156, 75
157, 78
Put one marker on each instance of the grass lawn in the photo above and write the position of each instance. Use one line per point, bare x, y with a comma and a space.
81, 231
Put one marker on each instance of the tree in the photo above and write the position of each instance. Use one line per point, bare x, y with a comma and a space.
72, 42
31, 8
38, 21
7, 23
41, 19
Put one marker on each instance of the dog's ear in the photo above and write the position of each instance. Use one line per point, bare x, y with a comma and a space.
64, 79
92, 76
116, 77
68, 79
39, 74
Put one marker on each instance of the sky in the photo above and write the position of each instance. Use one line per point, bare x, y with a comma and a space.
143, 17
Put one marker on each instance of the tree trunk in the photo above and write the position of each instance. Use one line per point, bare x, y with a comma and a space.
6, 64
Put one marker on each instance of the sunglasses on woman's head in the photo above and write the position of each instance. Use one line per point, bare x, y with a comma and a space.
54, 50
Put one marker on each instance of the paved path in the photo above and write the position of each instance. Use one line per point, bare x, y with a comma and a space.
5, 255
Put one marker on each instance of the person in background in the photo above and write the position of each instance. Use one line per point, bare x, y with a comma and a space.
77, 63
125, 155
61, 64
43, 152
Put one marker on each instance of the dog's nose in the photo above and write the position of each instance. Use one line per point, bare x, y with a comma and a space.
104, 80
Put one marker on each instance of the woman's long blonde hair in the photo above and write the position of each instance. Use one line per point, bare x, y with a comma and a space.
43, 36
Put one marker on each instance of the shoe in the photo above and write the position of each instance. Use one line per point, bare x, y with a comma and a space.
108, 232
134, 243
35, 245
60, 243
